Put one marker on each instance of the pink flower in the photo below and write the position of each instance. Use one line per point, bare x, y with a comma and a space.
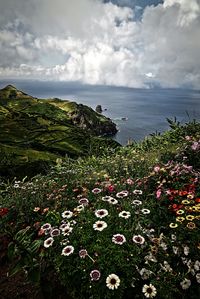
156, 168
158, 193
195, 146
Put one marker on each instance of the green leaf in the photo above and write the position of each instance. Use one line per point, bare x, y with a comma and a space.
11, 250
35, 245
18, 267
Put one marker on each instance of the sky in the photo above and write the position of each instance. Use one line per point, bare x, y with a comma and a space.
131, 43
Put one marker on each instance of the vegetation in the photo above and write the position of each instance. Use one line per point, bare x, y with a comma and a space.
36, 132
124, 224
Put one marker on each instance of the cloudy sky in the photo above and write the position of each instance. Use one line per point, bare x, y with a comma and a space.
134, 43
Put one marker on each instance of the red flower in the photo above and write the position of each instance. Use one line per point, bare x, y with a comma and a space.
111, 188
197, 200
3, 211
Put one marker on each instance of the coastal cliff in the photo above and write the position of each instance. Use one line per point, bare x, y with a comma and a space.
36, 132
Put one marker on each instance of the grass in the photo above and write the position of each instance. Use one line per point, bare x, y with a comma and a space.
131, 211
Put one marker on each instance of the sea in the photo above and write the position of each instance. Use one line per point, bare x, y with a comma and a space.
137, 112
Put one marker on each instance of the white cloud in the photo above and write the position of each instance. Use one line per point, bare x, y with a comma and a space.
98, 43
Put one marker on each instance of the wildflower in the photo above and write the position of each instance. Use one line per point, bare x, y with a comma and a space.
101, 213
111, 188
83, 253
166, 267
156, 168
45, 210
198, 277
173, 225
185, 202
195, 146
138, 239
145, 211
149, 291
3, 211
190, 217
191, 225
62, 226
125, 214
46, 226
197, 265
112, 281
48, 242
145, 273
137, 192
95, 275
67, 250
64, 242
122, 194
185, 284
137, 202
66, 230
96, 190
180, 219
180, 212
84, 201
113, 201
129, 181
67, 214
190, 196
99, 225
118, 239
55, 232
158, 193
79, 208
106, 198
36, 209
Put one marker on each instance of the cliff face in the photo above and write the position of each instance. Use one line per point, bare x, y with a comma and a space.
35, 131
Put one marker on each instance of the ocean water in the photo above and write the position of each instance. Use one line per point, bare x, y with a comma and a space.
145, 110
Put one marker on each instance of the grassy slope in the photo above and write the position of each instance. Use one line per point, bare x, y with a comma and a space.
44, 127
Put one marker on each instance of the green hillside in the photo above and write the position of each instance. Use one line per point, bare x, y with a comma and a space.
35, 131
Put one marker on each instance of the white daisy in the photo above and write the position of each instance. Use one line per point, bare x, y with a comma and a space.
66, 230
84, 201
46, 226
48, 242
198, 277
137, 192
106, 198
138, 239
118, 239
185, 284
67, 250
112, 281
122, 194
99, 225
113, 201
101, 213
54, 232
79, 208
124, 214
95, 275
137, 202
145, 211
96, 190
149, 291
67, 214
83, 253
